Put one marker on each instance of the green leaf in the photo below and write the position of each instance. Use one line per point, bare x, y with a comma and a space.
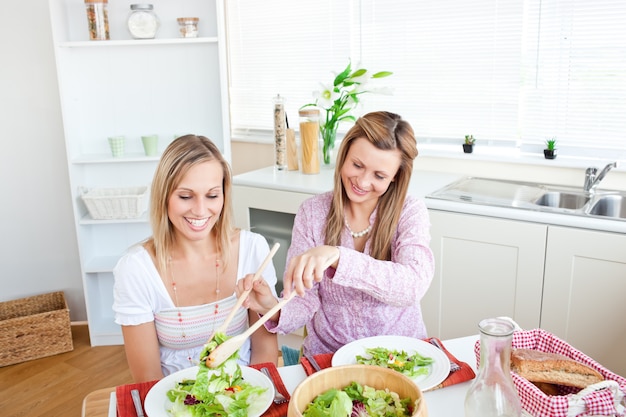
382, 74
358, 73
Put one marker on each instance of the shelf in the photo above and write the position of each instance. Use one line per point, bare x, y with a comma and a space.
134, 42
108, 159
88, 220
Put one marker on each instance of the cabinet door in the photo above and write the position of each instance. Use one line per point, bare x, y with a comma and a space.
484, 267
585, 284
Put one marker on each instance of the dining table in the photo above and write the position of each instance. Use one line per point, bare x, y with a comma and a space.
446, 401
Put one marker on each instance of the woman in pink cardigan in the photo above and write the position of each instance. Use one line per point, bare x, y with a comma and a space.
359, 258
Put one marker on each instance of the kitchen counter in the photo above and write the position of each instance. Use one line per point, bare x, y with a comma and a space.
422, 184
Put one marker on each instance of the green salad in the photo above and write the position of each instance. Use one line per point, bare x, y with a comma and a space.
411, 365
359, 401
217, 391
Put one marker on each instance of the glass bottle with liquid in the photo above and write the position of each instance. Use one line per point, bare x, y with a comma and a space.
493, 394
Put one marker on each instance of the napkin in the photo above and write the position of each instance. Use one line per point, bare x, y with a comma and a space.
125, 406
323, 360
466, 372
275, 410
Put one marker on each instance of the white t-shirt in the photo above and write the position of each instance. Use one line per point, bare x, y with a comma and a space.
141, 297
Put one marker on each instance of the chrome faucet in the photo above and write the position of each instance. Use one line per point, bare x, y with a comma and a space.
592, 178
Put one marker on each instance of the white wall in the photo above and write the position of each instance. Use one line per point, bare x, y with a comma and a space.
38, 250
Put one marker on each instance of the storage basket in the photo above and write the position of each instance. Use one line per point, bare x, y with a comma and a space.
115, 203
34, 327
605, 398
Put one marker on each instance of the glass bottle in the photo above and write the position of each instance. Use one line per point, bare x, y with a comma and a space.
280, 134
309, 140
142, 22
97, 19
492, 394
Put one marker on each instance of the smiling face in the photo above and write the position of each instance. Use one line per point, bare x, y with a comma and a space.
196, 203
368, 171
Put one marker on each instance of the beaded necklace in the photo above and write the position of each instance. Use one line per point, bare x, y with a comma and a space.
357, 234
177, 304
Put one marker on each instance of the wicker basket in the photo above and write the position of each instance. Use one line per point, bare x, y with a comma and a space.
115, 203
34, 327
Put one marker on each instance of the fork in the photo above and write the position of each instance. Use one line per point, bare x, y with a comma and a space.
453, 365
278, 397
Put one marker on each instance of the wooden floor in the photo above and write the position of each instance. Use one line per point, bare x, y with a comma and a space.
55, 386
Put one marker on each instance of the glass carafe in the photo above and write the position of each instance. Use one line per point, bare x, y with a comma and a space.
492, 394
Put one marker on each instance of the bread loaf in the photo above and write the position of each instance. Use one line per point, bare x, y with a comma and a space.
552, 368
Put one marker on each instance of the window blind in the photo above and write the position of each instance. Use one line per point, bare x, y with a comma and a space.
506, 72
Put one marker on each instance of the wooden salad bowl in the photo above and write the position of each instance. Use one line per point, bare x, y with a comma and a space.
342, 376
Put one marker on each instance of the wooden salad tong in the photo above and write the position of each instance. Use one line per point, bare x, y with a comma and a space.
230, 346
224, 326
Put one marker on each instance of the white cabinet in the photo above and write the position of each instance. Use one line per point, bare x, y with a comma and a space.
167, 86
484, 267
584, 293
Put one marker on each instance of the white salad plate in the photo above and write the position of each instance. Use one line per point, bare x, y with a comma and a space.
438, 370
157, 403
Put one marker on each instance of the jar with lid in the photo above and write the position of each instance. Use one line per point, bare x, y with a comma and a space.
97, 19
493, 394
188, 27
309, 140
280, 134
142, 22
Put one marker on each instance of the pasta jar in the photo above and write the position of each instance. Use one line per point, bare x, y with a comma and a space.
309, 140
188, 27
142, 22
97, 19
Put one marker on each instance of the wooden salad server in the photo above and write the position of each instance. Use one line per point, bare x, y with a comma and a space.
224, 326
230, 346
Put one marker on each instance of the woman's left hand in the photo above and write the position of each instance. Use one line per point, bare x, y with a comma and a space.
309, 267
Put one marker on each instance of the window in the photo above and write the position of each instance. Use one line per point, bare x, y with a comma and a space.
508, 72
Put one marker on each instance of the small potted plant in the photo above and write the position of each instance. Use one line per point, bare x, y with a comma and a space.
550, 151
468, 146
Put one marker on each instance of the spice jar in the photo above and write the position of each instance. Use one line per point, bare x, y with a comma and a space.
142, 22
493, 394
188, 27
309, 140
280, 133
97, 19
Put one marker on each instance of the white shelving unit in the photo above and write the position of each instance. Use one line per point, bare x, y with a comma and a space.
168, 85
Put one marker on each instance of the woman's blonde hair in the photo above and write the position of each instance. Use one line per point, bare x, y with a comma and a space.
386, 131
181, 155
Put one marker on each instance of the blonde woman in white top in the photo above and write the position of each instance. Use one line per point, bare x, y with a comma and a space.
174, 289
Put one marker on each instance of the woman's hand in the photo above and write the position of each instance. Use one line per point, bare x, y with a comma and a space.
260, 299
309, 267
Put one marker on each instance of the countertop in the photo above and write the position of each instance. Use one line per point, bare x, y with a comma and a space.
422, 184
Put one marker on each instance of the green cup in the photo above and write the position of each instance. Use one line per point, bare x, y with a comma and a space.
150, 144
117, 145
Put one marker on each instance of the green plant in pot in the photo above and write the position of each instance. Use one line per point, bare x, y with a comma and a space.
550, 151
468, 145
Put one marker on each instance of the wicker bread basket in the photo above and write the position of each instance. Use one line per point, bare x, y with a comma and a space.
34, 327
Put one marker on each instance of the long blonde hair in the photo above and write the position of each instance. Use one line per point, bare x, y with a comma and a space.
181, 155
386, 131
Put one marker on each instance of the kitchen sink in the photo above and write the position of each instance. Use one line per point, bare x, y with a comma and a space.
564, 200
609, 206
536, 196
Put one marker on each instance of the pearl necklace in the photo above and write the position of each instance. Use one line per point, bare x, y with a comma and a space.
177, 304
357, 234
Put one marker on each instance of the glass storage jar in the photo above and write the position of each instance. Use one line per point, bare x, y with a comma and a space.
142, 22
188, 27
97, 19
309, 140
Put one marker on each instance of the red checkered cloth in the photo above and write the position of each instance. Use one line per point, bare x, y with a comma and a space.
275, 410
602, 399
